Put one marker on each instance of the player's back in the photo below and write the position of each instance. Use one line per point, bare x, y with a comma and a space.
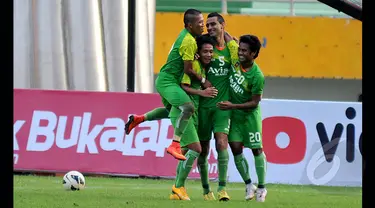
193, 83
185, 45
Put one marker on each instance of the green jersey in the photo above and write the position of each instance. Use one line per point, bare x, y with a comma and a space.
218, 75
195, 84
244, 84
183, 49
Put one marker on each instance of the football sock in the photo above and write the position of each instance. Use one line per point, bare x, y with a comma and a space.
243, 167
222, 158
261, 168
156, 114
186, 167
179, 164
203, 172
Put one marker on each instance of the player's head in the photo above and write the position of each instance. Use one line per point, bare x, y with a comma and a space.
193, 21
248, 48
215, 24
205, 45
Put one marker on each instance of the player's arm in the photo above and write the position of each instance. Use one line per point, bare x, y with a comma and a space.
208, 92
254, 102
187, 51
256, 91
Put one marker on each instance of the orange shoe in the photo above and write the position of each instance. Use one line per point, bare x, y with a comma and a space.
180, 192
133, 121
175, 150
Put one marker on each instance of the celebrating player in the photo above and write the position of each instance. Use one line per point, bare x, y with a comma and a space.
211, 118
246, 87
190, 141
167, 84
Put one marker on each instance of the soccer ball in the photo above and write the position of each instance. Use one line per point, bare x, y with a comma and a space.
74, 181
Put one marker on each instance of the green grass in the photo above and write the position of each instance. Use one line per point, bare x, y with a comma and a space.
43, 191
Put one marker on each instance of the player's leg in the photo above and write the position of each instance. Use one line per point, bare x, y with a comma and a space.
178, 98
155, 114
255, 144
221, 122
236, 138
202, 164
191, 141
174, 196
205, 134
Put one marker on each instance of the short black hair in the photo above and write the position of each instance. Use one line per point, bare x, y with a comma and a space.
189, 16
220, 18
204, 39
253, 42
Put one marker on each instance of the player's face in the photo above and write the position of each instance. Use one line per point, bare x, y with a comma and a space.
214, 28
206, 53
244, 53
198, 26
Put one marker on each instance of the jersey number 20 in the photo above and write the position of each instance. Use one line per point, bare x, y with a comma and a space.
255, 137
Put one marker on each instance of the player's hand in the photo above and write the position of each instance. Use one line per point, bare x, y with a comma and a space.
210, 92
207, 84
196, 56
224, 105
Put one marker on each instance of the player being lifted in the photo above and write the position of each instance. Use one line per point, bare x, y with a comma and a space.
189, 140
167, 83
246, 87
211, 118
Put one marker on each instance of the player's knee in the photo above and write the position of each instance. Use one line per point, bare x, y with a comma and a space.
221, 145
221, 141
236, 148
204, 152
205, 148
196, 147
187, 110
199, 149
257, 152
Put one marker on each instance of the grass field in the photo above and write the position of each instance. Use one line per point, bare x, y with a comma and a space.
43, 191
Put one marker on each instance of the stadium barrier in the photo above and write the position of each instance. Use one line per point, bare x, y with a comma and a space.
309, 47
306, 142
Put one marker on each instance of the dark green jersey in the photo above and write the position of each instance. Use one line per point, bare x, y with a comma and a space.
218, 75
245, 84
183, 49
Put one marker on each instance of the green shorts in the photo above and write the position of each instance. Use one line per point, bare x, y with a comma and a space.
170, 91
212, 120
190, 134
247, 129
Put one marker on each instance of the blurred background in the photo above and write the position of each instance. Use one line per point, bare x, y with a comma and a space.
310, 51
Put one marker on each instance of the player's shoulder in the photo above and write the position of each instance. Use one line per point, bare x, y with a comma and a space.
188, 38
258, 70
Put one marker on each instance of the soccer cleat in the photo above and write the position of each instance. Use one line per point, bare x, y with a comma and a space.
223, 196
180, 192
261, 194
209, 197
250, 191
133, 121
175, 150
174, 196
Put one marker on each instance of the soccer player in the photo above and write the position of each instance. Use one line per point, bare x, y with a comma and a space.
167, 84
211, 118
246, 87
190, 142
